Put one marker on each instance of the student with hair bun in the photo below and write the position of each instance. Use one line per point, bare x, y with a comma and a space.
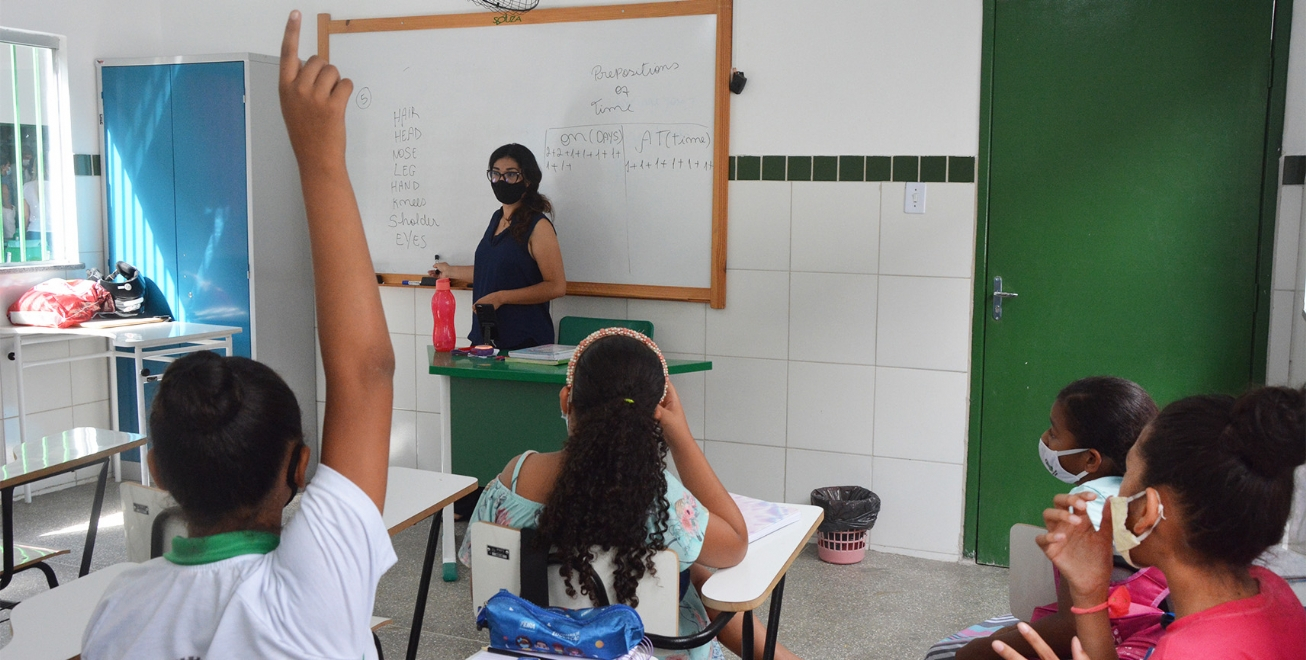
226, 442
1208, 488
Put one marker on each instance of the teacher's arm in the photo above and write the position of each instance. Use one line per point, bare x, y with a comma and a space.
544, 249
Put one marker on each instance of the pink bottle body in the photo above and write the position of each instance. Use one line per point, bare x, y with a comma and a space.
442, 312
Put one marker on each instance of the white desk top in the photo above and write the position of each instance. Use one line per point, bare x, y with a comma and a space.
38, 459
412, 495
743, 587
49, 625
144, 335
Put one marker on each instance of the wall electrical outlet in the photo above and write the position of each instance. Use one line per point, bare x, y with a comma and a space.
913, 199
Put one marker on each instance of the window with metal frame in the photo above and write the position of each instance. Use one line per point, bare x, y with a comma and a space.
36, 174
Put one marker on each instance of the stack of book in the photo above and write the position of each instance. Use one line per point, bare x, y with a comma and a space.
546, 354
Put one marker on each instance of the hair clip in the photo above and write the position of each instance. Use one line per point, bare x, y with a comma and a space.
610, 332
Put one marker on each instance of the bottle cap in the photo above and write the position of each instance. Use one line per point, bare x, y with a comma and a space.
442, 284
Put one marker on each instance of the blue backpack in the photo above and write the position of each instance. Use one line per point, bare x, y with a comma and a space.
605, 633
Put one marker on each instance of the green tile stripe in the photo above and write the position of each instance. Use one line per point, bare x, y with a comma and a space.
940, 169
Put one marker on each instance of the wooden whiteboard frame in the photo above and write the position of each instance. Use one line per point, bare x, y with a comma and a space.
715, 294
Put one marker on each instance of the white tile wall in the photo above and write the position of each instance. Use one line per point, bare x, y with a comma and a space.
749, 469
1286, 359
759, 226
746, 400
677, 327
921, 414
920, 505
924, 323
831, 407
807, 470
755, 322
939, 242
832, 317
836, 227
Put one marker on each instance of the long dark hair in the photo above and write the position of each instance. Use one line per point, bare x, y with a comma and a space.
532, 202
1230, 462
219, 431
1107, 414
612, 481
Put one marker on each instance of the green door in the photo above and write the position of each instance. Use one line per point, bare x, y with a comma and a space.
1127, 140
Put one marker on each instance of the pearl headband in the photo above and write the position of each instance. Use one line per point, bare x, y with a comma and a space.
613, 332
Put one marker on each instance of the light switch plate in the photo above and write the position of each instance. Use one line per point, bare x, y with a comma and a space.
913, 199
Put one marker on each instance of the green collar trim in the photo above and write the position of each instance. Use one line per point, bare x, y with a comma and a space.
209, 549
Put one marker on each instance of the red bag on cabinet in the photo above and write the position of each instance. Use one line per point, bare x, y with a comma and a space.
59, 303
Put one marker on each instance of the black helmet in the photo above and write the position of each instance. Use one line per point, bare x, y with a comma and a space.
128, 296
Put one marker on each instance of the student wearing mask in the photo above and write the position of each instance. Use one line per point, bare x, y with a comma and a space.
1208, 488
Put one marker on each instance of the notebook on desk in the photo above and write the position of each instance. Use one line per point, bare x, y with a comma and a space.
762, 517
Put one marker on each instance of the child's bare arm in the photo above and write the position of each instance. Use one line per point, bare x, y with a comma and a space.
356, 354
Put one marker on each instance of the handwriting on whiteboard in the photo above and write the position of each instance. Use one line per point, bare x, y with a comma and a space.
408, 218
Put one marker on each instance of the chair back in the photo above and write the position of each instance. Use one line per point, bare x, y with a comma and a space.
1030, 580
151, 519
572, 329
496, 564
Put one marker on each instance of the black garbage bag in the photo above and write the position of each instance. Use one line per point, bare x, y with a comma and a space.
847, 508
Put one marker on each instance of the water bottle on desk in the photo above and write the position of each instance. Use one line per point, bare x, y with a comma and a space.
442, 311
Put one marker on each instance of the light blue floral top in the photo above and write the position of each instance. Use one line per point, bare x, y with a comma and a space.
502, 505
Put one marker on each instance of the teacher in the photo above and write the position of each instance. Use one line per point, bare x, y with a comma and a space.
518, 264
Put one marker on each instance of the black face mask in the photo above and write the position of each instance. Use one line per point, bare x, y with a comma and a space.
508, 193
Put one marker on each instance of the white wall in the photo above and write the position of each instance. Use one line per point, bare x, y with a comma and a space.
811, 264
1286, 362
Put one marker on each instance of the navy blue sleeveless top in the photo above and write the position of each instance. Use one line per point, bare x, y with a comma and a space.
502, 264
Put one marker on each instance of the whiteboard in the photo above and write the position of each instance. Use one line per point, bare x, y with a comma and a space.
619, 113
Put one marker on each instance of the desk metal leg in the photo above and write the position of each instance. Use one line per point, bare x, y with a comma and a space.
773, 620
22, 406
114, 413
139, 377
7, 535
424, 587
94, 527
450, 572
747, 642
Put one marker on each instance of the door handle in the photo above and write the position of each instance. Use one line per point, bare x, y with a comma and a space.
998, 295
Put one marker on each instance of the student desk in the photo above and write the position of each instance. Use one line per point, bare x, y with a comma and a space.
156, 342
742, 587
412, 496
54, 455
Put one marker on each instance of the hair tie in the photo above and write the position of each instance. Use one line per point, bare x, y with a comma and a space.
609, 332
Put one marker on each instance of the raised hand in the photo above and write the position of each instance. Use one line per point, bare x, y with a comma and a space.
1082, 554
313, 99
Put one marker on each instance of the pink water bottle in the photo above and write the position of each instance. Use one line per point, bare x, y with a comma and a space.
442, 311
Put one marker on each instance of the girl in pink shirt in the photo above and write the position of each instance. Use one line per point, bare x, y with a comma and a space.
1208, 487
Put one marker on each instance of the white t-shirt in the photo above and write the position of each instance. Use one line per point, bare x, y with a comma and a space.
311, 597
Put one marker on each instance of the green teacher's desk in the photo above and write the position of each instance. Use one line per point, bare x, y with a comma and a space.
499, 409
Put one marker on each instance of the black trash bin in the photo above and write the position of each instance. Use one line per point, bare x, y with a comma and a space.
850, 512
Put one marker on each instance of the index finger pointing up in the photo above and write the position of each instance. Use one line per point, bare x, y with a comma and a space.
290, 48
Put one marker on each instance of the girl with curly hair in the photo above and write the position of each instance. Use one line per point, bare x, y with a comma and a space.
609, 486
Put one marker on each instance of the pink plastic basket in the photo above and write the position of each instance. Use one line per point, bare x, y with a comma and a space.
841, 547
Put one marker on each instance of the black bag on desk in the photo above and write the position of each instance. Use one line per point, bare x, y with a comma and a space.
128, 295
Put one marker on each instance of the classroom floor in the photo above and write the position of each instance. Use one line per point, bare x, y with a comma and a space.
886, 607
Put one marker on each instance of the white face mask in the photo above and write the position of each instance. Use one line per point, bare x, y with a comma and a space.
1121, 535
1052, 461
